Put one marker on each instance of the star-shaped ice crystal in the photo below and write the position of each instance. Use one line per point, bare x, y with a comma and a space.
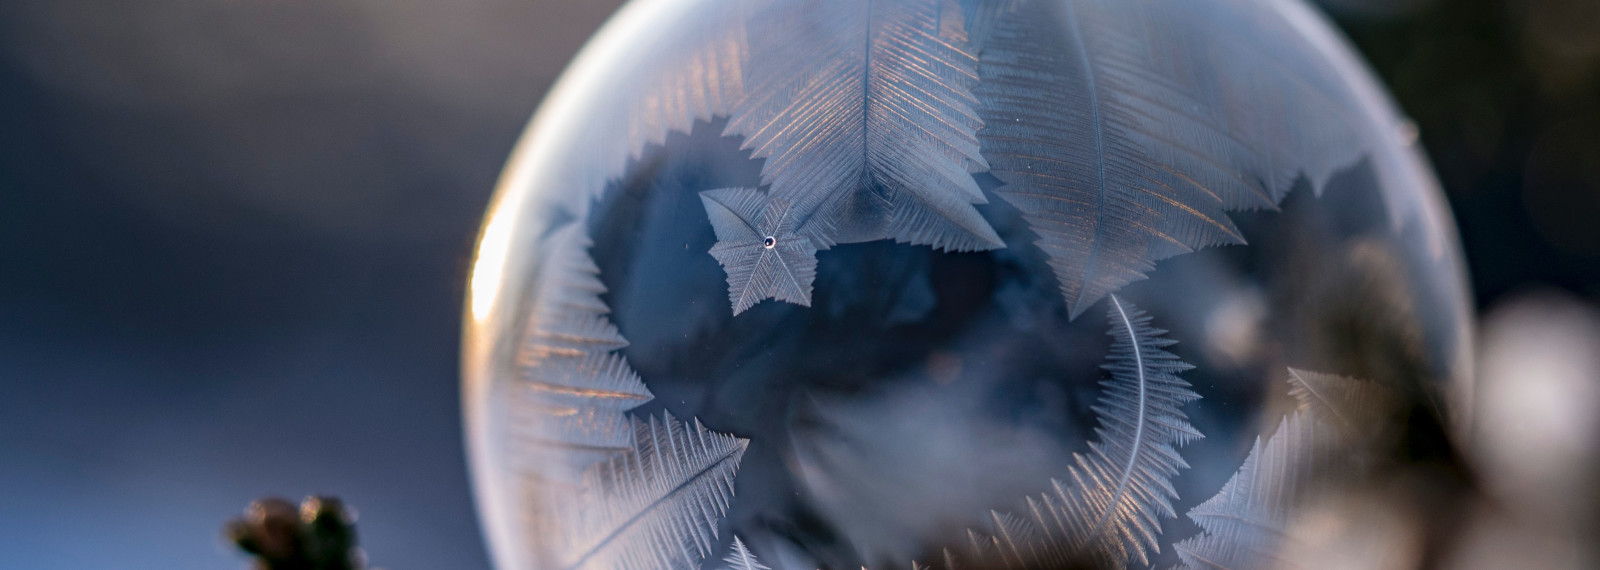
758, 247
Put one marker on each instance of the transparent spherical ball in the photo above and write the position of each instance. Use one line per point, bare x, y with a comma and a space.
956, 284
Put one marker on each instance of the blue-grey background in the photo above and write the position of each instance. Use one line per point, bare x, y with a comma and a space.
233, 237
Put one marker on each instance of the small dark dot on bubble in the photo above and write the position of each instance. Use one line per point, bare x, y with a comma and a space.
769, 242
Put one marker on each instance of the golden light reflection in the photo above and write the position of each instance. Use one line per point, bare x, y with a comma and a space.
490, 264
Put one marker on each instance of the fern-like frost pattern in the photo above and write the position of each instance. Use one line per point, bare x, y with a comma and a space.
1245, 524
1119, 154
865, 118
740, 558
696, 74
1352, 404
603, 490
566, 408
1109, 508
1124, 130
655, 506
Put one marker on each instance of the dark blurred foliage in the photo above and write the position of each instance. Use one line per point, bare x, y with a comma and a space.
1506, 95
233, 235
319, 535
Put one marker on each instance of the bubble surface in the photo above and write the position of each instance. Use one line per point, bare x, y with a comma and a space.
977, 284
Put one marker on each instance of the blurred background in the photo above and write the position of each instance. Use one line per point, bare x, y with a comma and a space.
234, 236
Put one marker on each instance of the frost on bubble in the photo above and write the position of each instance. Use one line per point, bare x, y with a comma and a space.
566, 406
600, 489
872, 116
740, 558
758, 248
1251, 519
1119, 155
656, 506
866, 120
1108, 509
866, 123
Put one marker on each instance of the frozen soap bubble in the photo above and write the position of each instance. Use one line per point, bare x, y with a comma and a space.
926, 283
